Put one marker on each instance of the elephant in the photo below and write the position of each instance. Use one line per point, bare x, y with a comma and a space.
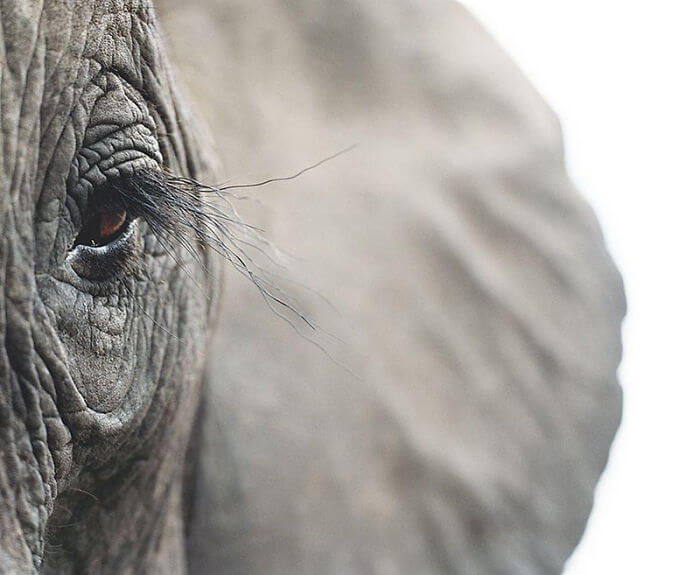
410, 369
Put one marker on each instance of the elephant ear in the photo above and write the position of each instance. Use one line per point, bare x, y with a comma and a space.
461, 424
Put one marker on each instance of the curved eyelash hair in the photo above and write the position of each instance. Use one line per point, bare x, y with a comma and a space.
183, 212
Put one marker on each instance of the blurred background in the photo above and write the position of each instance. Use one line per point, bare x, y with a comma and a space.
623, 78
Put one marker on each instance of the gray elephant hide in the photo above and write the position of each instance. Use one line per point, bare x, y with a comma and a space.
461, 423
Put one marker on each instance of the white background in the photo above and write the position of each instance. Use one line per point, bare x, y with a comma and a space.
624, 78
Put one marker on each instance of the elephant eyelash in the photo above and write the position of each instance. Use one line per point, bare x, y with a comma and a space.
184, 213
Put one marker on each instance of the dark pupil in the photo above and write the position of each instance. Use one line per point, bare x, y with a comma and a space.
104, 223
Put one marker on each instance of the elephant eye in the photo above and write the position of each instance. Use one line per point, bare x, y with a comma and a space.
106, 221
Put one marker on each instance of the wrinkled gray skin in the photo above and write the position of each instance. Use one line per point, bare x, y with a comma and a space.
478, 309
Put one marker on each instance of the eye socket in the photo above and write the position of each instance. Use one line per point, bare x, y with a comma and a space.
106, 222
106, 245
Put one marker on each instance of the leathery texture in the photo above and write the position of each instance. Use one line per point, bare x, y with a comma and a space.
87, 98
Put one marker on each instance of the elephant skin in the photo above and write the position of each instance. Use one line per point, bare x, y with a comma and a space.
421, 377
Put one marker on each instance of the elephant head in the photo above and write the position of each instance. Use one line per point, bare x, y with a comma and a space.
481, 309
104, 317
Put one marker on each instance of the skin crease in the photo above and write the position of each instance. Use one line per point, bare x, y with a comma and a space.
152, 421
100, 379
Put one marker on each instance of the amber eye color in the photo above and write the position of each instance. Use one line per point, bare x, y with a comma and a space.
111, 222
104, 225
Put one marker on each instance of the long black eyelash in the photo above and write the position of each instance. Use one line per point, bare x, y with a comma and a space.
182, 212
